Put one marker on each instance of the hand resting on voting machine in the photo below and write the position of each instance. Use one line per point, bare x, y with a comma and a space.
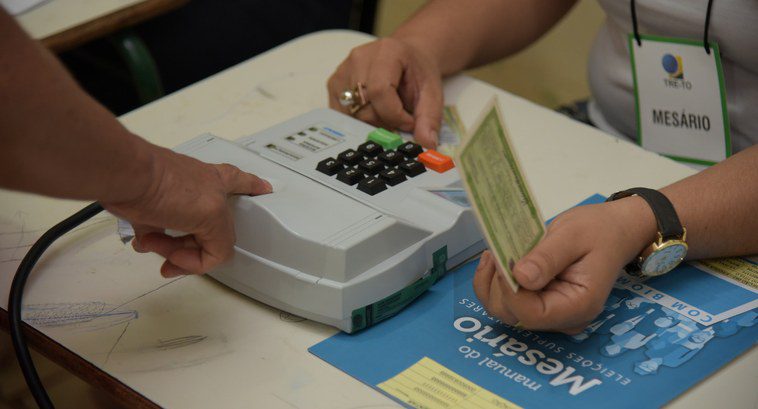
58, 141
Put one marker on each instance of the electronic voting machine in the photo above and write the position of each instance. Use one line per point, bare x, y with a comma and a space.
360, 222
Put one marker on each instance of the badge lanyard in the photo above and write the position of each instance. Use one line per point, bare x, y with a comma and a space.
680, 97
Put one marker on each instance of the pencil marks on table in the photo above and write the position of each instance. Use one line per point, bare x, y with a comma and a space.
16, 240
12, 241
284, 400
180, 342
141, 354
107, 357
108, 329
147, 293
88, 316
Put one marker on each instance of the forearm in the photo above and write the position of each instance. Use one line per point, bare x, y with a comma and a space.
719, 207
463, 34
56, 140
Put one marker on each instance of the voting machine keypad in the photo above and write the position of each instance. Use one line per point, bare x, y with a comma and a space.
384, 160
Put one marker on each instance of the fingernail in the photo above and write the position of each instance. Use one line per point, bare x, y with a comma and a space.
482, 261
269, 188
168, 270
434, 137
530, 272
137, 245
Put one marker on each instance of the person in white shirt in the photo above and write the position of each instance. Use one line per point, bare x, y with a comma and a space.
402, 73
566, 278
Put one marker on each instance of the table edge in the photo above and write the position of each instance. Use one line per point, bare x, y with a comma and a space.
79, 366
108, 23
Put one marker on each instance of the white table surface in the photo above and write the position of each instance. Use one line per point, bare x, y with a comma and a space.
191, 342
57, 16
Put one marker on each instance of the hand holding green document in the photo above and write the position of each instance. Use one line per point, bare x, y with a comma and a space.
498, 192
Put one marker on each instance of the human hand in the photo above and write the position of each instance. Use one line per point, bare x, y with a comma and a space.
403, 87
190, 196
568, 275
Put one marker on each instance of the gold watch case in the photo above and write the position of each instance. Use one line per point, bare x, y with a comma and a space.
663, 256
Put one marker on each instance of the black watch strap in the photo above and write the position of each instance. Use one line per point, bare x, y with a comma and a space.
668, 222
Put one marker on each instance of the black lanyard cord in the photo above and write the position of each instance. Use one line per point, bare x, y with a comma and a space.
705, 31
707, 23
634, 25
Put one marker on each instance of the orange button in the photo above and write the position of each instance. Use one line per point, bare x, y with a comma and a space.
436, 161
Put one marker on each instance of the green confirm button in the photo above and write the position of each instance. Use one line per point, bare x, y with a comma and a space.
387, 139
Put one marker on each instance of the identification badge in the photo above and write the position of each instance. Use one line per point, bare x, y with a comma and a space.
680, 99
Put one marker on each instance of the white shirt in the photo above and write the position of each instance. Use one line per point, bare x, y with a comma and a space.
734, 26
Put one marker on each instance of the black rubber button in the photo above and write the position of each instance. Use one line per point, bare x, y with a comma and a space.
372, 186
371, 166
350, 176
412, 168
392, 176
350, 157
370, 149
410, 149
391, 158
329, 166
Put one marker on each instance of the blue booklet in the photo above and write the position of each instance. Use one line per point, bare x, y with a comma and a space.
653, 341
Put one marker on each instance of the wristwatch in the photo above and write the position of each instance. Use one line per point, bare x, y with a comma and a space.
669, 249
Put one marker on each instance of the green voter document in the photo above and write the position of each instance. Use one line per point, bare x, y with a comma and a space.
499, 193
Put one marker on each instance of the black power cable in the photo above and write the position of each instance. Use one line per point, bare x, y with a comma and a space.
17, 292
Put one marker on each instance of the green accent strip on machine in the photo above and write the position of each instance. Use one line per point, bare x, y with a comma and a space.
387, 139
371, 314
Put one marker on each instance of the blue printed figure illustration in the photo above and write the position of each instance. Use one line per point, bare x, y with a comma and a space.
675, 333
623, 327
620, 306
615, 301
730, 326
654, 323
657, 321
587, 332
726, 328
629, 308
675, 354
